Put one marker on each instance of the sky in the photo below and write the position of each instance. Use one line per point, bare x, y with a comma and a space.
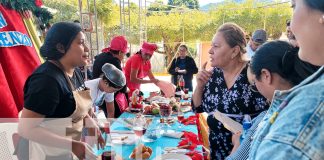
204, 2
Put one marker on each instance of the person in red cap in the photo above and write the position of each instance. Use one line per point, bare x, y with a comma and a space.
114, 55
138, 66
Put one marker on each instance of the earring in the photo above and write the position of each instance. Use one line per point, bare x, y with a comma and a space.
321, 20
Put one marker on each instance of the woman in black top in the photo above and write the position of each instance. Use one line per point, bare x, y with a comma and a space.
226, 88
114, 54
183, 65
53, 91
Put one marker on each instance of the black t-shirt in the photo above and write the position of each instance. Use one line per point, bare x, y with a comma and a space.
47, 91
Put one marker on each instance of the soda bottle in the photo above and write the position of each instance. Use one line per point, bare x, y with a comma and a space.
247, 123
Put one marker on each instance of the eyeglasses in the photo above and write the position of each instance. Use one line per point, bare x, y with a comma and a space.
253, 87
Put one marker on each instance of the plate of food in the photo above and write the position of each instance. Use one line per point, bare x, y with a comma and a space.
187, 103
151, 110
141, 152
173, 156
176, 106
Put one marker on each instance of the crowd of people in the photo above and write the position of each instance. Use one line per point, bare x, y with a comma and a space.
279, 84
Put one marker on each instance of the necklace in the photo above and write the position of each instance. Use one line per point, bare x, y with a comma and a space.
229, 84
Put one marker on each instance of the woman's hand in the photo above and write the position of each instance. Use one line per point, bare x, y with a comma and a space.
101, 141
94, 130
236, 142
176, 69
155, 81
203, 76
82, 150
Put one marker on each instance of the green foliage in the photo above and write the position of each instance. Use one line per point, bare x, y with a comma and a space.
42, 14
173, 26
192, 4
67, 10
158, 6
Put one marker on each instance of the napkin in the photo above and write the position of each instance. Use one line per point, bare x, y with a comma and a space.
173, 134
123, 138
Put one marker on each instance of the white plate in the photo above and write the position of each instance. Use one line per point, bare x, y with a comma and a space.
173, 156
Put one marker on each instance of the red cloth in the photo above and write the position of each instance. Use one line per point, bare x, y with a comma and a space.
192, 120
17, 63
143, 67
122, 102
195, 155
149, 48
190, 140
118, 43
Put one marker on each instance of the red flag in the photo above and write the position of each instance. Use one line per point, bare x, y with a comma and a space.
18, 60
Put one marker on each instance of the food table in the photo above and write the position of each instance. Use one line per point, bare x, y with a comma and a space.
124, 150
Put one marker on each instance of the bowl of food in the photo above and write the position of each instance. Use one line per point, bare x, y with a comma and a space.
141, 152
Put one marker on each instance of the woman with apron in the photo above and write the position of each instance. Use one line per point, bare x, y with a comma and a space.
56, 101
138, 67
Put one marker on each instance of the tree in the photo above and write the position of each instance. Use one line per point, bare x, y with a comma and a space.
158, 6
67, 10
177, 27
173, 26
192, 4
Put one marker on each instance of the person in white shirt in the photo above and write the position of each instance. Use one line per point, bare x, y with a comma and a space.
258, 38
102, 89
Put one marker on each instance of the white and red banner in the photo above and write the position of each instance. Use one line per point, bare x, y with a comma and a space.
18, 59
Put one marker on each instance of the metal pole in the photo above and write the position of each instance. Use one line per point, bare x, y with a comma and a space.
129, 27
265, 20
139, 20
121, 20
88, 7
80, 11
124, 20
96, 23
145, 33
182, 28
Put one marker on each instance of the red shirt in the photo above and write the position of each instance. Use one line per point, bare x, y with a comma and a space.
143, 67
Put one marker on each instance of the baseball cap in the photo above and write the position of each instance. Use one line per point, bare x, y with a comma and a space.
259, 36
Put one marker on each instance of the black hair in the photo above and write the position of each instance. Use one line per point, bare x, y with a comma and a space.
139, 52
114, 51
288, 23
42, 27
184, 46
315, 4
76, 21
111, 84
282, 58
128, 54
61, 34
